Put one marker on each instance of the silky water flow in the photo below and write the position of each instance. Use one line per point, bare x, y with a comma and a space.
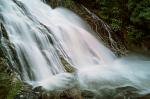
42, 36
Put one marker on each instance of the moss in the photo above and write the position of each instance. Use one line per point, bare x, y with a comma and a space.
8, 88
4, 85
9, 85
15, 88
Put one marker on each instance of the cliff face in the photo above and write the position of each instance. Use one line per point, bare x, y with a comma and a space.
129, 20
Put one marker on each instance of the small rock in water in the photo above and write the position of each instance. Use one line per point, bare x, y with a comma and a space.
38, 89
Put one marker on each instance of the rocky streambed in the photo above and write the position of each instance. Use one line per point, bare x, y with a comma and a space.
127, 92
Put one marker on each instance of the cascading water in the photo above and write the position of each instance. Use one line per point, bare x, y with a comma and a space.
41, 35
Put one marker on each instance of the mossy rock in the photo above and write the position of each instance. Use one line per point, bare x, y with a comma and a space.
9, 85
67, 66
4, 85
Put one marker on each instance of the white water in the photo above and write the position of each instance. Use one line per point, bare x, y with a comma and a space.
30, 28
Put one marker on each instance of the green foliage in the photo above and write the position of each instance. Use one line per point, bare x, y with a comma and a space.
109, 11
135, 35
63, 3
141, 12
131, 17
116, 24
140, 18
132, 4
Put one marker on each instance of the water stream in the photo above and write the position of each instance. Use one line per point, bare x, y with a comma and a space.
41, 35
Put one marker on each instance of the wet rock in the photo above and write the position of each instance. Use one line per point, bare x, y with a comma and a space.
26, 95
39, 93
26, 92
127, 92
27, 87
87, 94
106, 93
71, 94
38, 89
126, 89
59, 94
67, 66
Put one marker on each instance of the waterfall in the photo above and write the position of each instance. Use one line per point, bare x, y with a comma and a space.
42, 35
